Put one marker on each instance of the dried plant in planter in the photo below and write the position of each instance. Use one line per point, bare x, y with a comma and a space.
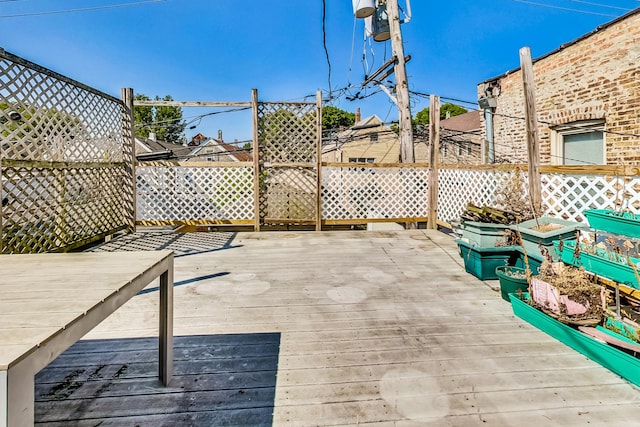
512, 197
575, 300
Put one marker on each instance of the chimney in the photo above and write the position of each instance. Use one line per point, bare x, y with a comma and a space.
152, 136
219, 134
358, 118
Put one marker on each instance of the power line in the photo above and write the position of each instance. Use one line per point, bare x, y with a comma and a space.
550, 6
324, 41
85, 9
602, 5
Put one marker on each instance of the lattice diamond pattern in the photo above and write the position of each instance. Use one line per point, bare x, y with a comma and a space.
50, 203
59, 121
288, 194
567, 196
378, 193
457, 187
48, 210
287, 132
186, 193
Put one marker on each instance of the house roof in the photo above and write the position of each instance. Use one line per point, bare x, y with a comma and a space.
149, 149
238, 153
571, 43
463, 122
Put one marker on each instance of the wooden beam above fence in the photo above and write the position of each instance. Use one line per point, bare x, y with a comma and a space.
160, 103
613, 170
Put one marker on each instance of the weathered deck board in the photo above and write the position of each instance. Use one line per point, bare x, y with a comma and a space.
383, 328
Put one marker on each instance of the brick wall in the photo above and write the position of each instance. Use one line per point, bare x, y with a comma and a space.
597, 77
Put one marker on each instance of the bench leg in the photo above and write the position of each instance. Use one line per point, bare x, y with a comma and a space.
166, 326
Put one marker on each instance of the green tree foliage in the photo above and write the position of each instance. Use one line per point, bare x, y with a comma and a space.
166, 122
37, 124
285, 136
333, 118
422, 117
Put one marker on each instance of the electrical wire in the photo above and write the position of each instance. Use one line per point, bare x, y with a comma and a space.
324, 42
565, 8
85, 9
602, 5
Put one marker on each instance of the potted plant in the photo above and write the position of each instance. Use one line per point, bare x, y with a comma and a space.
542, 232
607, 259
513, 280
625, 223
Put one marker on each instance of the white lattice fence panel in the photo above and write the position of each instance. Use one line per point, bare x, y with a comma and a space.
377, 193
458, 187
57, 132
176, 193
288, 194
567, 196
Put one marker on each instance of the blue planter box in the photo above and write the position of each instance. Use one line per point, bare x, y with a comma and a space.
624, 223
615, 360
600, 264
482, 262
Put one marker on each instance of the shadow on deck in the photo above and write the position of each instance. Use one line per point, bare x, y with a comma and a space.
218, 380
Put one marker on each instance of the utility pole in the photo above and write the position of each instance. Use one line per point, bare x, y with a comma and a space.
407, 154
533, 144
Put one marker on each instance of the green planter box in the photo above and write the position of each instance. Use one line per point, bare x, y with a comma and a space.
510, 284
481, 233
482, 262
533, 239
615, 360
624, 223
600, 264
535, 261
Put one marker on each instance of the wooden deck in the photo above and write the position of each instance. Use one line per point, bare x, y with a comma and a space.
331, 328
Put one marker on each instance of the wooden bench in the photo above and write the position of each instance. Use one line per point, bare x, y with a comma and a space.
50, 301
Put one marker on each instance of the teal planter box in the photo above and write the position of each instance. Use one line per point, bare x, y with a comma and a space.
482, 233
600, 264
482, 262
623, 364
624, 223
510, 284
535, 261
533, 239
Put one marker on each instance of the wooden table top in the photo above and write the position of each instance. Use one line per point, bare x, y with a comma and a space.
41, 294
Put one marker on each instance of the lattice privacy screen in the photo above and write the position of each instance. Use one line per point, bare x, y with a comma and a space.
567, 196
374, 192
65, 158
288, 144
173, 193
458, 187
563, 195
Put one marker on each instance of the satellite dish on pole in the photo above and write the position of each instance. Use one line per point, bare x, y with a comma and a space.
363, 8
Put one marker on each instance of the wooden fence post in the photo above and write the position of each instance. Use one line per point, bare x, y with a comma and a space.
533, 145
434, 139
126, 94
256, 161
319, 162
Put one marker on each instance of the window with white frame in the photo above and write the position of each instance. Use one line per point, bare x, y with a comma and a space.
579, 143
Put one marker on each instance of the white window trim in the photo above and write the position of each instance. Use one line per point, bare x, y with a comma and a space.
573, 128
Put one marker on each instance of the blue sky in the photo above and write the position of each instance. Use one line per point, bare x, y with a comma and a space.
218, 50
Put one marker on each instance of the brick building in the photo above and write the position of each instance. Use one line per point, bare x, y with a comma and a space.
587, 100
